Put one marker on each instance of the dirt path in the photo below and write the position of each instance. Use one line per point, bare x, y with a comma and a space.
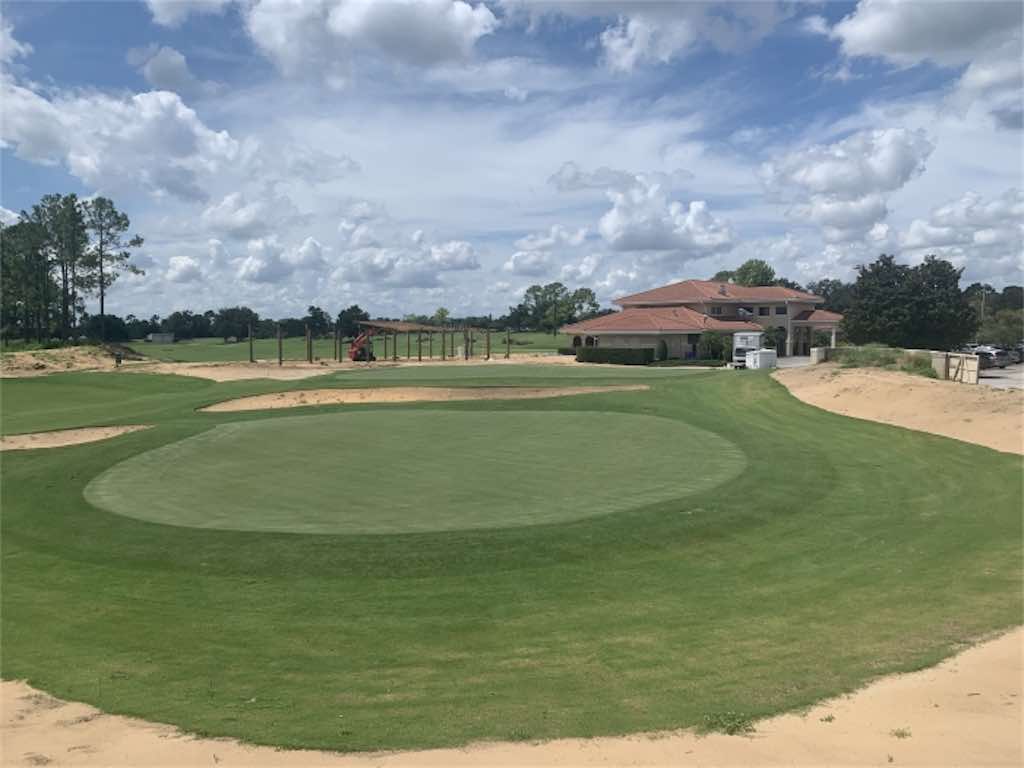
61, 437
966, 711
301, 398
974, 414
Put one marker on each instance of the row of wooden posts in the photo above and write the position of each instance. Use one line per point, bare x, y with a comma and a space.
447, 347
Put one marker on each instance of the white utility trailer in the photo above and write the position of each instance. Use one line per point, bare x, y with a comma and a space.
742, 343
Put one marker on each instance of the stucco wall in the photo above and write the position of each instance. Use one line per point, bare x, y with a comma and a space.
678, 344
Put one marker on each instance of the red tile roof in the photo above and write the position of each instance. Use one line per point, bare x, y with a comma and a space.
818, 316
709, 290
658, 319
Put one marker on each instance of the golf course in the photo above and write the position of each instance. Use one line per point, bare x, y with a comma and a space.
703, 551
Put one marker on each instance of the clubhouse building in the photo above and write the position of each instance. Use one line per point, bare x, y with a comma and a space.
679, 313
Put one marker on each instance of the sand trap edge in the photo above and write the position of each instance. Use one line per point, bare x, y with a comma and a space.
59, 438
376, 395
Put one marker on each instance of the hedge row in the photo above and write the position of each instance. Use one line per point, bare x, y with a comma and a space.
615, 355
675, 361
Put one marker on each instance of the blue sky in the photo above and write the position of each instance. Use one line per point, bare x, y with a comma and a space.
409, 154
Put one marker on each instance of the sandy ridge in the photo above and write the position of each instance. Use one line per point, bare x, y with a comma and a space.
307, 397
972, 413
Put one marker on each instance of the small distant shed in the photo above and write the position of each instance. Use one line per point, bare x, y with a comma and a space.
160, 338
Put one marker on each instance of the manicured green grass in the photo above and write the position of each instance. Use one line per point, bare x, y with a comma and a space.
452, 471
294, 348
844, 550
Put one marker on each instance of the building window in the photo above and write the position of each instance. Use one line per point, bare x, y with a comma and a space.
781, 310
762, 311
716, 310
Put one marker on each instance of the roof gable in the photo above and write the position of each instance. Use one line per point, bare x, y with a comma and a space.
693, 291
657, 320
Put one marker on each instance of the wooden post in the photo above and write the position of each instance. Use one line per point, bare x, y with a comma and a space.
385, 346
408, 346
309, 346
280, 346
508, 343
465, 343
488, 344
430, 344
252, 358
419, 346
443, 334
394, 347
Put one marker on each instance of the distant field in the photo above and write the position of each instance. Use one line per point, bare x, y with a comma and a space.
216, 350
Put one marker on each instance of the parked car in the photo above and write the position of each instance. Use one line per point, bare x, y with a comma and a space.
999, 357
1016, 354
985, 359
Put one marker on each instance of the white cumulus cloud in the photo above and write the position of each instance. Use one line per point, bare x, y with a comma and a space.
171, 13
843, 187
642, 218
319, 37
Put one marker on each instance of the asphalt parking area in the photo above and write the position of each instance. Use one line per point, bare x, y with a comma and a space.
1010, 377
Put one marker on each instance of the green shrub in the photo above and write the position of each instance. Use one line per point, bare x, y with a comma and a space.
662, 353
919, 363
711, 346
676, 362
868, 356
880, 356
615, 355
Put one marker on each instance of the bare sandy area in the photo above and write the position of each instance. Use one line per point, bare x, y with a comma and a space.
293, 370
61, 437
964, 712
972, 413
46, 361
405, 395
237, 371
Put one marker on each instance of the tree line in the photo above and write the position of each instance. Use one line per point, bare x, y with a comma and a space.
57, 254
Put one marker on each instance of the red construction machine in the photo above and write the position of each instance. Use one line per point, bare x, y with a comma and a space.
359, 350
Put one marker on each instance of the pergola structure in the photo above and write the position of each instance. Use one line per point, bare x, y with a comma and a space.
390, 329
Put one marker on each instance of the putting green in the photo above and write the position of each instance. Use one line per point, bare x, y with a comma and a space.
415, 471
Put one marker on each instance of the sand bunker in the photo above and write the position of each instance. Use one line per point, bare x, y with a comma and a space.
972, 413
59, 438
239, 371
41, 362
293, 370
966, 711
405, 395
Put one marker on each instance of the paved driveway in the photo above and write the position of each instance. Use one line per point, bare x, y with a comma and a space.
1010, 377
794, 361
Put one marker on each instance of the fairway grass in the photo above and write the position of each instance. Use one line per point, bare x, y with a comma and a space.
842, 550
416, 471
